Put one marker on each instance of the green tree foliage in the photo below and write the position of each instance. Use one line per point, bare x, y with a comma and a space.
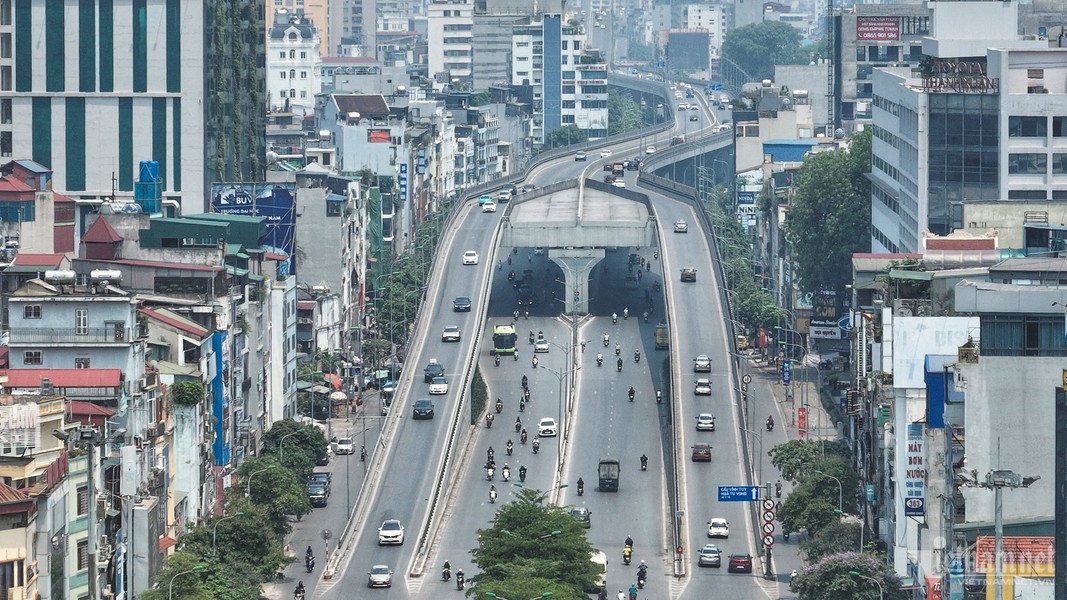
623, 113
530, 542
796, 459
837, 536
190, 586
757, 48
565, 136
239, 540
302, 450
278, 491
812, 502
187, 393
830, 579
375, 351
829, 220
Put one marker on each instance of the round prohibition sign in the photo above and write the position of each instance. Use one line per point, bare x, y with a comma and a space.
768, 540
748, 378
768, 517
768, 504
768, 528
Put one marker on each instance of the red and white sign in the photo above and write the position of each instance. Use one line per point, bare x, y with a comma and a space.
802, 421
877, 29
825, 333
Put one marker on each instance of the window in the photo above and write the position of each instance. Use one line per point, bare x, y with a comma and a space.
1059, 164
1059, 126
1027, 164
81, 362
292, 73
303, 74
1027, 126
565, 44
281, 55
282, 93
83, 555
31, 311
577, 45
33, 357
303, 94
83, 500
303, 54
292, 54
1019, 335
283, 74
1035, 73
81, 321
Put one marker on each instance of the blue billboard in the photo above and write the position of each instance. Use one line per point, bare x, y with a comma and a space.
276, 202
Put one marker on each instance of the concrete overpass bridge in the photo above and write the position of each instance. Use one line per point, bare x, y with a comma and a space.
576, 221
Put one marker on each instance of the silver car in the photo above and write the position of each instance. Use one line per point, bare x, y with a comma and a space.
380, 576
702, 364
710, 556
702, 387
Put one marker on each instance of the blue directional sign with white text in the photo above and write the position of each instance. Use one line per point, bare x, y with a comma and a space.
787, 372
738, 493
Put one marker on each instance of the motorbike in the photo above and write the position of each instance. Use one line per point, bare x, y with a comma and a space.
637, 356
511, 275
522, 474
614, 318
492, 496
581, 488
659, 397
298, 594
309, 564
525, 382
534, 362
618, 349
627, 553
631, 394
489, 472
531, 337
536, 446
619, 365
778, 490
523, 436
644, 462
646, 316
461, 582
640, 581
607, 340
446, 574
522, 406
785, 535
518, 425
496, 360
626, 313
770, 424
526, 394
510, 447
599, 359
506, 474
488, 421
490, 454
499, 405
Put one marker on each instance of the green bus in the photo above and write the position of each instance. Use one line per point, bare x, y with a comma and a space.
608, 472
504, 339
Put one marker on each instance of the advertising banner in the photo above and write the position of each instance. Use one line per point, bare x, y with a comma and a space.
915, 472
878, 29
274, 201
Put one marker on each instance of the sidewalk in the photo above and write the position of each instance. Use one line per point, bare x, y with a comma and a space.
800, 401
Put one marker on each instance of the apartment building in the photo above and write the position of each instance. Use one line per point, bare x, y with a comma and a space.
449, 33
294, 64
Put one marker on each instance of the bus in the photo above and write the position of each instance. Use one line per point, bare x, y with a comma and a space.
608, 470
663, 337
504, 339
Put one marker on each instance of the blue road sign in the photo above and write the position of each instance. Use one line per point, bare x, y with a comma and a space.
787, 372
738, 493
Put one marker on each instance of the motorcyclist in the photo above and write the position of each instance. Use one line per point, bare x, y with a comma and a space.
510, 447
618, 349
526, 394
646, 316
525, 381
619, 364
489, 471
299, 593
581, 486
506, 472
492, 500
534, 361
644, 462
522, 473
614, 317
309, 563
627, 552
460, 579
626, 312
631, 393
642, 571
523, 435
489, 419
496, 360
536, 445
499, 405
531, 336
489, 454
659, 396
633, 592
599, 359
778, 489
446, 571
309, 553
607, 339
629, 541
637, 356
770, 423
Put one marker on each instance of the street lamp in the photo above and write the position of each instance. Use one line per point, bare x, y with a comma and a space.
215, 529
758, 436
170, 587
253, 474
881, 590
281, 447
840, 494
552, 533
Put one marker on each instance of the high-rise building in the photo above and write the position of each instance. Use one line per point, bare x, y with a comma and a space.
294, 65
982, 119
89, 89
450, 39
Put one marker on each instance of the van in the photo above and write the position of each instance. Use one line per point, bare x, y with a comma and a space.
601, 561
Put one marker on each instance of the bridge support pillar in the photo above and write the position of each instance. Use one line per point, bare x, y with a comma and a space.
576, 263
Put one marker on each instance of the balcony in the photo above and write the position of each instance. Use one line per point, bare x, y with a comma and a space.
66, 335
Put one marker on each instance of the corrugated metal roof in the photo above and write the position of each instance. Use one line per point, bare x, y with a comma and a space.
9, 495
10, 184
25, 259
62, 378
175, 320
101, 232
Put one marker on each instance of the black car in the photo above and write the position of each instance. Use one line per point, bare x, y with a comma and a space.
461, 304
582, 514
320, 478
318, 494
434, 369
423, 409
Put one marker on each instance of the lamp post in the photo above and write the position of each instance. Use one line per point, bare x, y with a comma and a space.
758, 436
215, 529
248, 490
170, 586
281, 444
881, 590
560, 375
997, 480
840, 494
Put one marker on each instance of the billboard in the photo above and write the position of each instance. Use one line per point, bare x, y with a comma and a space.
878, 29
276, 202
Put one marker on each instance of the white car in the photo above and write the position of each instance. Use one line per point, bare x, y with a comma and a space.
547, 427
619, 182
605, 153
705, 422
489, 206
718, 527
451, 334
702, 387
702, 364
541, 345
470, 257
680, 226
391, 533
650, 150
438, 386
344, 446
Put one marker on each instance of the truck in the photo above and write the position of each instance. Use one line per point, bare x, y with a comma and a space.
618, 169
663, 337
608, 474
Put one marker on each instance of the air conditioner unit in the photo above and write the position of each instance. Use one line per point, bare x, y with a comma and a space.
138, 441
107, 592
103, 554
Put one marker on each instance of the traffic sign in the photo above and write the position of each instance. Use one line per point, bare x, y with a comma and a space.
787, 372
738, 493
768, 504
747, 379
768, 540
768, 527
768, 516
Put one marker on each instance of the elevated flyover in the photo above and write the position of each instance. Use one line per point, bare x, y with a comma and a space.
576, 221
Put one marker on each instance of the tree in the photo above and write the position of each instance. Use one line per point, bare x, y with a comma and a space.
302, 450
837, 536
812, 502
623, 113
831, 579
187, 393
796, 459
277, 490
189, 586
829, 220
565, 136
530, 540
239, 540
757, 48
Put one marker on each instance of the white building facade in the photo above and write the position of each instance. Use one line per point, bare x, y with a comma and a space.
294, 64
709, 17
450, 43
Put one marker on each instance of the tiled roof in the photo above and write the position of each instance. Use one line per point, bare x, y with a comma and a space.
367, 105
25, 259
948, 243
87, 409
10, 184
1018, 550
64, 378
9, 495
174, 320
101, 232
